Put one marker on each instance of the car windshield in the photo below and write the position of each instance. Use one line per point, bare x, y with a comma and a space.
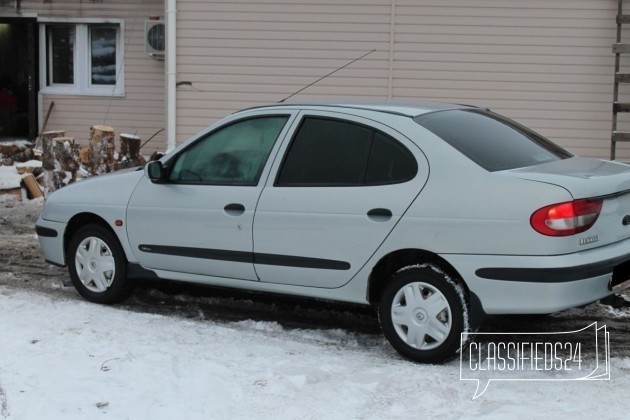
490, 140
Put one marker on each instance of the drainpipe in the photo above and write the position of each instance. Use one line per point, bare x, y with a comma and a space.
171, 74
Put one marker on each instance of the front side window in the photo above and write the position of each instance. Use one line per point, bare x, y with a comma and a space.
232, 155
330, 152
82, 58
490, 140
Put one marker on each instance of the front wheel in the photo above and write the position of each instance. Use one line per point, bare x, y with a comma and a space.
97, 265
423, 313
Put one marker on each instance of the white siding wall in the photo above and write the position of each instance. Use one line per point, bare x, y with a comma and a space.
547, 64
142, 109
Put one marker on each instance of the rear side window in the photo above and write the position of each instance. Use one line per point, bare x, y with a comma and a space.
330, 152
492, 141
390, 162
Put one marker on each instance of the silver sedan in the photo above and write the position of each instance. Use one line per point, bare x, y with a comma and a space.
435, 214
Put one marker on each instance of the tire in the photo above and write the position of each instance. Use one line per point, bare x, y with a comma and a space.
428, 330
98, 266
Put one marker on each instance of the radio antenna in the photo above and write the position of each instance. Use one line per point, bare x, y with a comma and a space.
329, 74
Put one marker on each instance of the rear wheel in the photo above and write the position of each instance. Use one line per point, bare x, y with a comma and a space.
97, 265
423, 313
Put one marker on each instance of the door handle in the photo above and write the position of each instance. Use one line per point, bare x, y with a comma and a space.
234, 209
379, 215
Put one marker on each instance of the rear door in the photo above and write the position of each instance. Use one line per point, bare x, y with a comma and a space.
340, 188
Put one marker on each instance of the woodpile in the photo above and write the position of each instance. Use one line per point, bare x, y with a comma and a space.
58, 160
16, 151
19, 180
19, 170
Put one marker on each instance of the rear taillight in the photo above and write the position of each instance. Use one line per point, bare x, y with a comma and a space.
566, 219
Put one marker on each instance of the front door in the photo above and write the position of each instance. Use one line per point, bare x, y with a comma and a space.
200, 220
18, 78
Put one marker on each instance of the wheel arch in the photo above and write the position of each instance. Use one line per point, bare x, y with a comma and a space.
82, 219
395, 260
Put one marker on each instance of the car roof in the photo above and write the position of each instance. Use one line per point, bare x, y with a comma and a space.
404, 109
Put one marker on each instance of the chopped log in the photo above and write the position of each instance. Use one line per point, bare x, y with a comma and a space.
24, 156
129, 147
54, 180
66, 153
84, 155
30, 167
102, 149
47, 136
48, 155
11, 147
8, 149
59, 160
129, 155
155, 156
33, 188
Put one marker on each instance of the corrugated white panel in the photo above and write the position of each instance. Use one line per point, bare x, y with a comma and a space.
239, 54
141, 111
547, 64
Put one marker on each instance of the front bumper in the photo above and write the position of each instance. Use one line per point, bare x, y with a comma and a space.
50, 235
544, 284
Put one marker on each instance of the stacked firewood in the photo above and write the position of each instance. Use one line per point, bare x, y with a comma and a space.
21, 170
57, 160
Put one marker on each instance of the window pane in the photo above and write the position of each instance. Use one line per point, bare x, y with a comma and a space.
327, 152
61, 54
233, 155
492, 141
103, 55
390, 162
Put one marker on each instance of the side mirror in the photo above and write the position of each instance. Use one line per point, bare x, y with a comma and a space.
155, 172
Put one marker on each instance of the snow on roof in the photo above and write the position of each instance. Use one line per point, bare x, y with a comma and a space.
9, 178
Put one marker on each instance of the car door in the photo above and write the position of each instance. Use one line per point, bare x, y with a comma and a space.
199, 221
341, 187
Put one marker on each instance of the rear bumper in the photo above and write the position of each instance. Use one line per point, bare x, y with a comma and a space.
544, 284
50, 235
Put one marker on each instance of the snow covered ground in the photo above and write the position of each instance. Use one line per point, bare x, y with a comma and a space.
66, 359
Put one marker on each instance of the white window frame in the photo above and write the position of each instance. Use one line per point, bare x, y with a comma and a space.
82, 59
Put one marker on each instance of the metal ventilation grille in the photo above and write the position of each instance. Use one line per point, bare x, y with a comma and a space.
154, 31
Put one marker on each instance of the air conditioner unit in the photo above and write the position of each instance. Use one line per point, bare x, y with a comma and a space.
154, 37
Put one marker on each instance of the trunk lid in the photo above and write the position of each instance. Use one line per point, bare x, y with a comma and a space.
582, 177
590, 178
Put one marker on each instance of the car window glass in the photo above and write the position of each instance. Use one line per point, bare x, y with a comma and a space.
493, 142
327, 152
233, 155
390, 162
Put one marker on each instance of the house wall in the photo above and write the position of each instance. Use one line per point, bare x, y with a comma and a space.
142, 108
547, 64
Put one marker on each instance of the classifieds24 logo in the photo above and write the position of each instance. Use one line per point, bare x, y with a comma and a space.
548, 356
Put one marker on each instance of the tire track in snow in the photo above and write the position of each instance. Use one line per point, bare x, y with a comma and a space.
4, 406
